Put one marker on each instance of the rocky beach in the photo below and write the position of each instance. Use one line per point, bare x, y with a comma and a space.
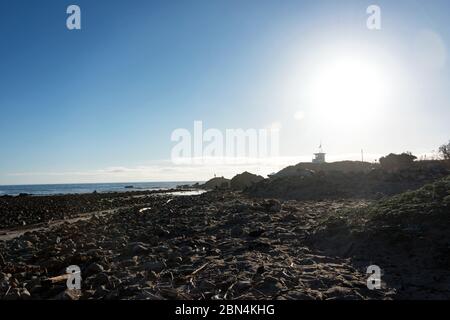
226, 244
224, 158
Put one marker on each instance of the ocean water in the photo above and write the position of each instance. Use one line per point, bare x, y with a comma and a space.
52, 189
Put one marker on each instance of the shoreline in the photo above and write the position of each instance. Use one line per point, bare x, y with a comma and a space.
86, 188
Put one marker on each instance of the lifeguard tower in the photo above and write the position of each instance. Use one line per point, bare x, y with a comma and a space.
319, 157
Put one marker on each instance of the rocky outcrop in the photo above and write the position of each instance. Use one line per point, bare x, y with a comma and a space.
373, 184
244, 180
293, 171
216, 183
306, 169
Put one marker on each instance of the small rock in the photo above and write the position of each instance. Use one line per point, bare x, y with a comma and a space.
270, 286
298, 296
68, 295
236, 231
256, 233
129, 262
242, 285
186, 250
99, 279
338, 292
4, 285
272, 205
138, 249
287, 236
4, 276
25, 294
13, 294
154, 266
94, 268
101, 292
27, 245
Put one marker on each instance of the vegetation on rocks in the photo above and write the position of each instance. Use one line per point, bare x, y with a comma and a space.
406, 235
395, 162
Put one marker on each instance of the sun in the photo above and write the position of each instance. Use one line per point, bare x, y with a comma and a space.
349, 89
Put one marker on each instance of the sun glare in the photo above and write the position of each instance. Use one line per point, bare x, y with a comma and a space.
349, 90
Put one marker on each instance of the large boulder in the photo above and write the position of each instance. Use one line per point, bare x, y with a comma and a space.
244, 180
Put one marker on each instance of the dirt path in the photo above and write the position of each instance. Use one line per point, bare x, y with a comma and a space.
9, 234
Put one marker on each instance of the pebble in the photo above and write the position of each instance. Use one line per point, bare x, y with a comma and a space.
154, 266
236, 231
94, 268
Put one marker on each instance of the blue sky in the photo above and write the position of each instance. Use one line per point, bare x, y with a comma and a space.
99, 104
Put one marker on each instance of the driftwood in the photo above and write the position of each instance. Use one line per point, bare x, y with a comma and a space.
199, 269
61, 278
57, 279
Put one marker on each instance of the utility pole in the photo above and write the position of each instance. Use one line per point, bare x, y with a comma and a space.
362, 155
